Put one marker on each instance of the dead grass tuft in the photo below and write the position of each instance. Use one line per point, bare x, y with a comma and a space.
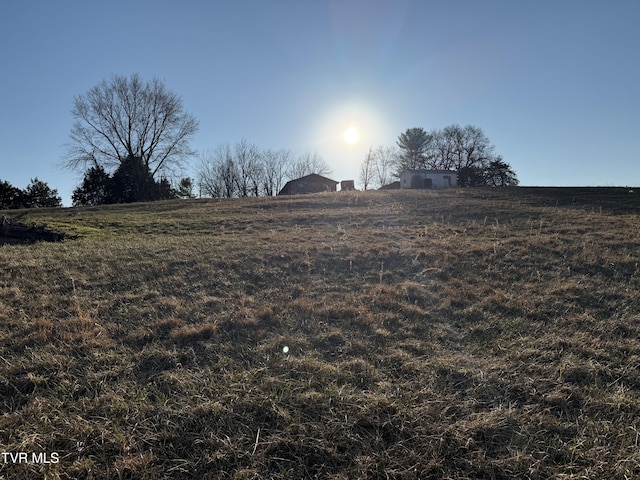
192, 333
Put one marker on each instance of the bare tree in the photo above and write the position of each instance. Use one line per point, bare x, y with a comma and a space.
207, 178
477, 149
217, 174
126, 118
385, 158
307, 164
459, 147
244, 170
246, 158
377, 166
367, 168
275, 164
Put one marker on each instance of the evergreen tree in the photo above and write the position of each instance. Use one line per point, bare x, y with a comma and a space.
163, 190
185, 188
95, 188
39, 194
132, 182
471, 177
466, 150
500, 174
414, 146
10, 196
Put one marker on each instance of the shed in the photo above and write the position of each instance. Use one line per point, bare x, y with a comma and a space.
313, 183
347, 185
428, 179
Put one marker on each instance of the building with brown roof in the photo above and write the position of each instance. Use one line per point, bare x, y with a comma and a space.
313, 183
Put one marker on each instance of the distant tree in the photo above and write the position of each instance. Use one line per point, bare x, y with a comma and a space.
95, 188
469, 151
500, 174
275, 164
185, 188
471, 177
414, 145
463, 147
367, 168
384, 160
217, 173
466, 150
247, 158
244, 170
38, 194
446, 149
227, 178
306, 164
164, 191
133, 182
126, 118
10, 196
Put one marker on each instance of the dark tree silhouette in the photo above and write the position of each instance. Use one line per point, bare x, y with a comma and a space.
466, 150
471, 177
95, 188
127, 118
10, 196
500, 174
39, 194
133, 182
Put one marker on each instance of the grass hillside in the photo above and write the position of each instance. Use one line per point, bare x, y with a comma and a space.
462, 334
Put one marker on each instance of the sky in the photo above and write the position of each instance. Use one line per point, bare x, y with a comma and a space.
554, 84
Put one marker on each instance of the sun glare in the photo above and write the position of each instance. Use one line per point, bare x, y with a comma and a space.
351, 136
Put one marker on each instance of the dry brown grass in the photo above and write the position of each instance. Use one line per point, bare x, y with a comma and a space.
463, 334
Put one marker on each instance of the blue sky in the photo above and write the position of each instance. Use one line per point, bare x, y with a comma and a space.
555, 84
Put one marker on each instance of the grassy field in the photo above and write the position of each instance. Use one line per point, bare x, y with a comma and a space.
462, 334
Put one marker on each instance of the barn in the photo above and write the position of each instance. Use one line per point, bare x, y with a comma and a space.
428, 179
313, 183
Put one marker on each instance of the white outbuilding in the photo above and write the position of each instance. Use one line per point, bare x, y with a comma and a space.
428, 179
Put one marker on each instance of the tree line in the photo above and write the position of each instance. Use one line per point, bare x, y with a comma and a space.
131, 138
131, 182
466, 150
35, 195
245, 170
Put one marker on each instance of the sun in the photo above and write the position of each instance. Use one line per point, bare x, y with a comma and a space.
351, 135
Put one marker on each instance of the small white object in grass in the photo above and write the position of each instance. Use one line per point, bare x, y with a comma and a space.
285, 349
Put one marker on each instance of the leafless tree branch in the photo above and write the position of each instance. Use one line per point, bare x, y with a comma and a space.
126, 117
